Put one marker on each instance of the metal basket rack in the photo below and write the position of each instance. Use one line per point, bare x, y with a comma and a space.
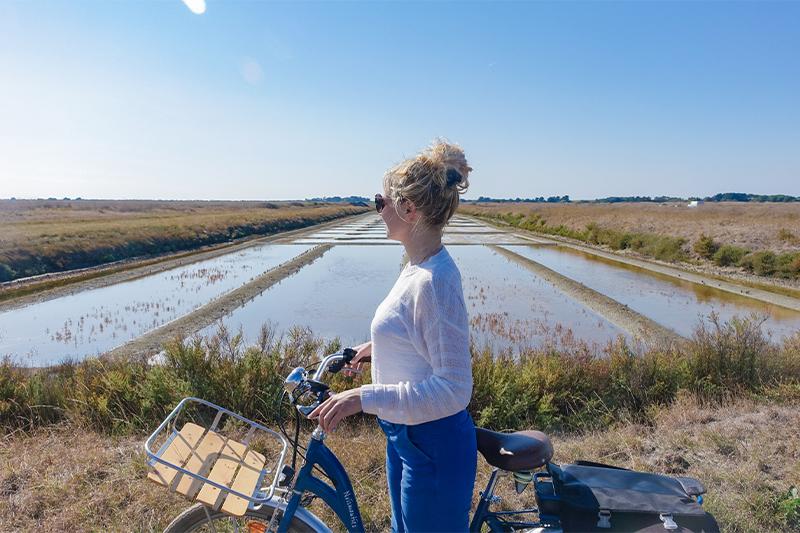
208, 454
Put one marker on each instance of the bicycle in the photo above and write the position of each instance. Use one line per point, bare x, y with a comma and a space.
278, 503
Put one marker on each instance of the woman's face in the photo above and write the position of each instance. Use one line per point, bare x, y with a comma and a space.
396, 218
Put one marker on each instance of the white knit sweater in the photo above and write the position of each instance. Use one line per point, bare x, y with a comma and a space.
421, 368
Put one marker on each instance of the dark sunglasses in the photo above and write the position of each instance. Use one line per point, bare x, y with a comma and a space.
380, 202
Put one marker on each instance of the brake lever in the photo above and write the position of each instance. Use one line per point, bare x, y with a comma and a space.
323, 393
348, 355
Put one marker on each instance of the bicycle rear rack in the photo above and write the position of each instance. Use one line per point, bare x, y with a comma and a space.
216, 457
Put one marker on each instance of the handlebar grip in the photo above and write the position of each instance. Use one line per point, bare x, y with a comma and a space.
348, 355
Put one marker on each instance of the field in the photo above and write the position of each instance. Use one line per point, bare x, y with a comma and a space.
41, 236
746, 453
722, 406
758, 238
756, 226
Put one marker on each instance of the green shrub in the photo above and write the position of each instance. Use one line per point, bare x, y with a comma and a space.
669, 249
728, 255
760, 263
705, 247
571, 387
788, 265
788, 507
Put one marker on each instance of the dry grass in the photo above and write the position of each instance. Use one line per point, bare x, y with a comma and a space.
66, 478
756, 226
49, 236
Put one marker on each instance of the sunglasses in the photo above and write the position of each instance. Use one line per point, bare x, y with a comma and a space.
380, 202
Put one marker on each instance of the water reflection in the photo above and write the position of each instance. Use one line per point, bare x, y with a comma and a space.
95, 321
337, 295
674, 303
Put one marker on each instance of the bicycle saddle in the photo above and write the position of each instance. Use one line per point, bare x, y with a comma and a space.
521, 450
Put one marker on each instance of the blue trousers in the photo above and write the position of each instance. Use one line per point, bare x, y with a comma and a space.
430, 468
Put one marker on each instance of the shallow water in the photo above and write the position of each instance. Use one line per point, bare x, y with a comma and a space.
337, 295
97, 320
511, 307
676, 304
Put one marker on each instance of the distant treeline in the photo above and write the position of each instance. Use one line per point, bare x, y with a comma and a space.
720, 197
537, 200
356, 200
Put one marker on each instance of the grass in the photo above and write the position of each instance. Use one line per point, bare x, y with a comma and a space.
98, 482
667, 233
721, 406
754, 226
53, 236
561, 386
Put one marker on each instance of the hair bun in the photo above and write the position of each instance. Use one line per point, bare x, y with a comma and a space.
433, 180
453, 177
451, 157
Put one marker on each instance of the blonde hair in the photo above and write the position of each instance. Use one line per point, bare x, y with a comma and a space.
432, 181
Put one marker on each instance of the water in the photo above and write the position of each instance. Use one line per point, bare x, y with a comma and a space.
676, 304
511, 307
337, 295
95, 321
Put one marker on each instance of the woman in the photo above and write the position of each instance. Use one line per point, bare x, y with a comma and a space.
421, 368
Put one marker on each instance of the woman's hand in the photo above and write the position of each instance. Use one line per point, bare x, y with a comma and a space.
337, 408
363, 356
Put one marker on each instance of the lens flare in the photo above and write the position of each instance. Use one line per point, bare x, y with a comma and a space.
198, 7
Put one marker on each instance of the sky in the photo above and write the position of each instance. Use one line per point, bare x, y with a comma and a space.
290, 100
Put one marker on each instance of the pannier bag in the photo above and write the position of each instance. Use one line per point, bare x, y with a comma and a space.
595, 497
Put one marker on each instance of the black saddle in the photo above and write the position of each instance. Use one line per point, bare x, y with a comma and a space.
521, 450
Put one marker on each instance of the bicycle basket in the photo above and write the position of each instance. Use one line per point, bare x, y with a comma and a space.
216, 457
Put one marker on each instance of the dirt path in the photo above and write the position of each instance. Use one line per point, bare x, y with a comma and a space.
750, 292
151, 343
151, 267
639, 326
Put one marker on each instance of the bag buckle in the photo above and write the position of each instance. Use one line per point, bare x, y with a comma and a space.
604, 519
669, 523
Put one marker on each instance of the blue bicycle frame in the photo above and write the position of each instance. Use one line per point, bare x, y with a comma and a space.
340, 498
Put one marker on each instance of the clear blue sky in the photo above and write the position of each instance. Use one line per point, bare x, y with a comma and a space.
253, 100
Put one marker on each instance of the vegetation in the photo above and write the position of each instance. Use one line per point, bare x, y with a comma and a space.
54, 236
763, 263
705, 247
536, 200
721, 197
661, 247
747, 197
727, 255
654, 408
576, 388
621, 229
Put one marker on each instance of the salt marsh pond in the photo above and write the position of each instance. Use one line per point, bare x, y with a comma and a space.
335, 295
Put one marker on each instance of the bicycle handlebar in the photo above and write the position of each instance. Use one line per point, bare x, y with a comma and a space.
298, 383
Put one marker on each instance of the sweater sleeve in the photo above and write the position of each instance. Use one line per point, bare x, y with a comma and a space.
439, 330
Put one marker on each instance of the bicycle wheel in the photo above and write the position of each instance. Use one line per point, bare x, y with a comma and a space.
199, 518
